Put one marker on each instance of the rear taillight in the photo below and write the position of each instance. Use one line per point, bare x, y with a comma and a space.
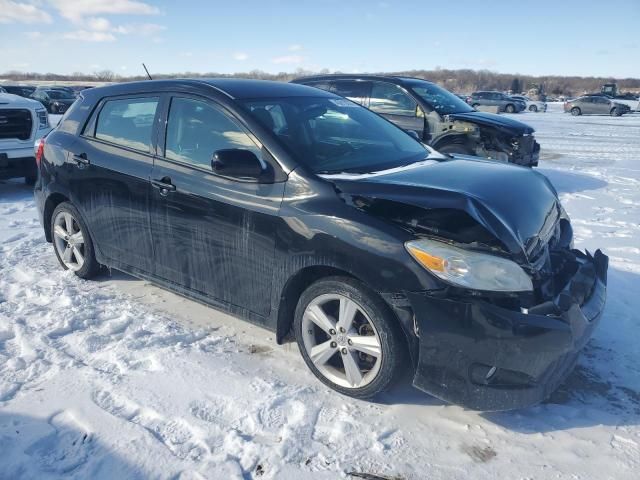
39, 151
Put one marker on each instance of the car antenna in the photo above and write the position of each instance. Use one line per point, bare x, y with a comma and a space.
148, 74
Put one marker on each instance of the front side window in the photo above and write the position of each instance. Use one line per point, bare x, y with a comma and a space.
331, 135
197, 129
127, 122
389, 99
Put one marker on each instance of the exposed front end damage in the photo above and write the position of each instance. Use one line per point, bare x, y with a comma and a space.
490, 350
495, 354
502, 138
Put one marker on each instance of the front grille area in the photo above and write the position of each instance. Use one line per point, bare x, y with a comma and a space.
15, 123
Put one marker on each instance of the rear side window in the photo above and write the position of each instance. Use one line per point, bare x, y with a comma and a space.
197, 129
389, 99
127, 122
353, 90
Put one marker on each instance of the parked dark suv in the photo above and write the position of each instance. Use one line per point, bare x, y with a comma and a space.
54, 99
299, 210
439, 118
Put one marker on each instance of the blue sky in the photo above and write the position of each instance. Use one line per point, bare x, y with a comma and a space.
561, 37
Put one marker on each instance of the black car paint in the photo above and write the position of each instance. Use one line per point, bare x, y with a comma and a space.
250, 248
497, 131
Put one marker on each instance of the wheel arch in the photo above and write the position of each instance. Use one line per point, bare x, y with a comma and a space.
50, 205
293, 288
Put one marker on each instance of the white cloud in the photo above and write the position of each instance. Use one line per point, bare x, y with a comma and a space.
288, 59
19, 65
87, 36
19, 12
295, 47
99, 24
240, 56
34, 35
75, 10
141, 29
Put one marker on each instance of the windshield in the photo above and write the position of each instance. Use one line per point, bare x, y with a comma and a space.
60, 95
334, 135
442, 101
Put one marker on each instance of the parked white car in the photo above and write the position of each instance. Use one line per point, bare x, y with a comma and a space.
532, 105
22, 122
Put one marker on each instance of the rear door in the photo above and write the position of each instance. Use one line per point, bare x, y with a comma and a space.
110, 165
393, 103
213, 235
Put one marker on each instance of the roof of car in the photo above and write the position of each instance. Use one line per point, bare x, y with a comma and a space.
354, 76
236, 88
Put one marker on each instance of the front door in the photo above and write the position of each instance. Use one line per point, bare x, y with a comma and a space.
212, 235
393, 103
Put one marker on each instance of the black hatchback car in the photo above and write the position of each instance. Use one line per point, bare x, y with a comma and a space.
438, 117
303, 212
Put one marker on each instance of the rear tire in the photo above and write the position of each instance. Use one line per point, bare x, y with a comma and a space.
575, 111
371, 345
533, 109
71, 241
510, 108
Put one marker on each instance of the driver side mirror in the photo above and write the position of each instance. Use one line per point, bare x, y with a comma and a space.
237, 162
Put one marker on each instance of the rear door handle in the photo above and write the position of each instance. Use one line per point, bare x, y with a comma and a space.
164, 185
81, 160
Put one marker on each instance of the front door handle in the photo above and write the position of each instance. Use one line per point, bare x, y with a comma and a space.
81, 160
164, 185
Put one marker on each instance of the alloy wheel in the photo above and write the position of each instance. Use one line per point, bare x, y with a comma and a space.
69, 241
341, 341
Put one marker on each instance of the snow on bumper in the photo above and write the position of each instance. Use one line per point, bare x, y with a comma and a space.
485, 357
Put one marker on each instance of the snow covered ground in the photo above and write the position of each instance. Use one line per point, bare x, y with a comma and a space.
115, 378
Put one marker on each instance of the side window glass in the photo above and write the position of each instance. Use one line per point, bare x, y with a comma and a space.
127, 122
389, 99
196, 130
354, 91
322, 85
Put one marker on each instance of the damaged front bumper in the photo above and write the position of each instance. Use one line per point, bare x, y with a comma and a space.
486, 357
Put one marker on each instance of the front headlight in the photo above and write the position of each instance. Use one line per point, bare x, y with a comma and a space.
464, 268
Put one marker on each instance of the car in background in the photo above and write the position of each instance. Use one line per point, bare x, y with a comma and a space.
595, 105
504, 102
532, 105
2, 90
22, 122
438, 117
55, 99
21, 90
310, 215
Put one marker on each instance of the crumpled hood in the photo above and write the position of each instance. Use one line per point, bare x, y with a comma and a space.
496, 121
513, 203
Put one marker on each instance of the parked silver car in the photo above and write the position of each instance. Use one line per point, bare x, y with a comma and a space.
595, 105
505, 103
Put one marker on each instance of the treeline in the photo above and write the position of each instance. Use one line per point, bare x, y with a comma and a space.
462, 81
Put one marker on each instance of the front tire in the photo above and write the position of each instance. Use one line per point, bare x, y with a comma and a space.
575, 111
510, 109
72, 242
533, 109
615, 112
348, 337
